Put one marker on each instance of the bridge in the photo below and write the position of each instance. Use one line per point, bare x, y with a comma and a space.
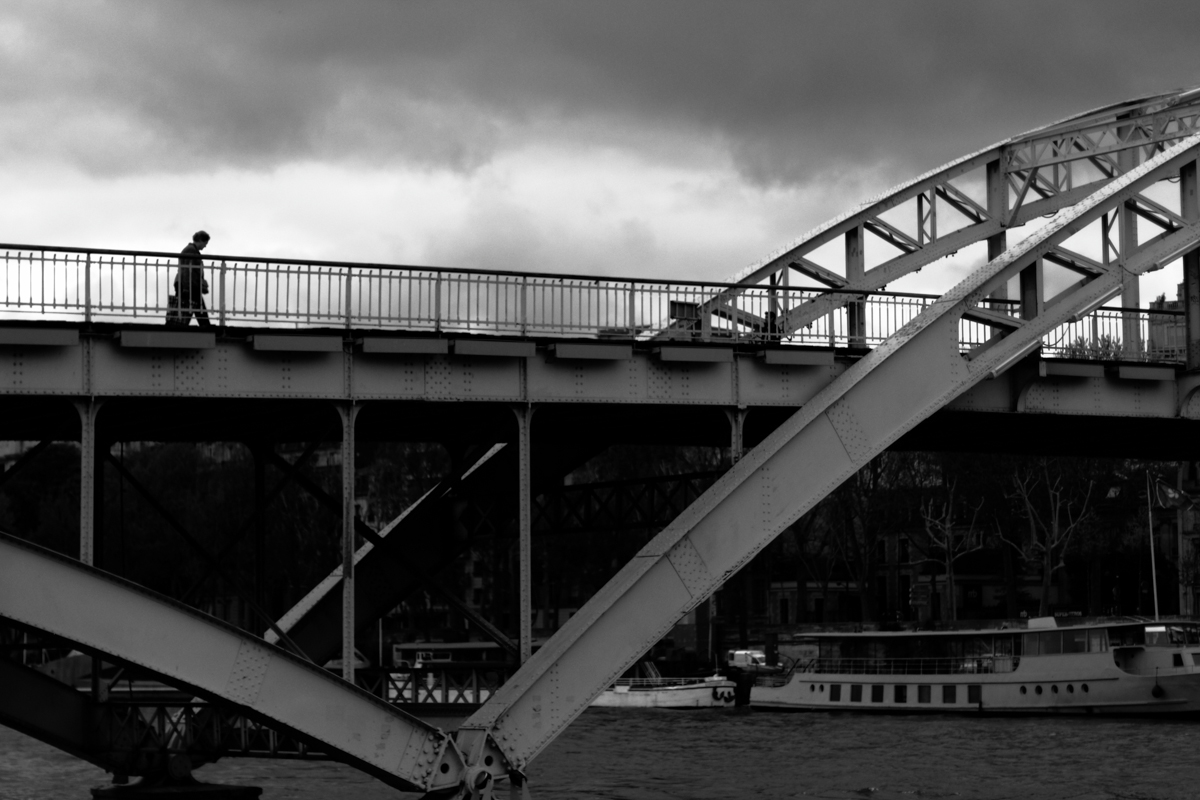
803, 365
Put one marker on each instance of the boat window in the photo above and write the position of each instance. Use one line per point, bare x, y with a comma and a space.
975, 693
1156, 636
835, 692
1029, 644
1050, 643
1126, 636
1003, 645
924, 693
1176, 659
1074, 641
856, 693
877, 693
901, 693
949, 695
1096, 643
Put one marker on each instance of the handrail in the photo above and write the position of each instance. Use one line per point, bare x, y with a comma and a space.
910, 666
96, 285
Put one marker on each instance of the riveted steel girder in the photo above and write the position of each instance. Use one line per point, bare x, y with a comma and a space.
107, 615
913, 374
1035, 164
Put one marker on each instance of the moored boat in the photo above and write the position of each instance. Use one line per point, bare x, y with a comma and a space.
1099, 668
711, 692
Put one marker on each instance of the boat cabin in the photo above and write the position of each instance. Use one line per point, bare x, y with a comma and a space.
1135, 646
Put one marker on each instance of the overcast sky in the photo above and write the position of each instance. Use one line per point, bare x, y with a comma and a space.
673, 139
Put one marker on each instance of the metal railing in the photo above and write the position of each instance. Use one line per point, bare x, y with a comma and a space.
458, 685
90, 285
967, 665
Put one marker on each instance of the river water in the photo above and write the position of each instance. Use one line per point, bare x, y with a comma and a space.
618, 754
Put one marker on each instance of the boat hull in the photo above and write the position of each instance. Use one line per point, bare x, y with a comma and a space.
707, 694
1067, 684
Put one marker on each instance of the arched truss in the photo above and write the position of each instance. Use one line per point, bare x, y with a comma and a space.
1120, 150
918, 370
105, 615
932, 217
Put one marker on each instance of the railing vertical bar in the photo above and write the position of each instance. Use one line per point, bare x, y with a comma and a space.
87, 289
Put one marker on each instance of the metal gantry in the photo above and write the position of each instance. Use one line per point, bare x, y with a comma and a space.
1093, 175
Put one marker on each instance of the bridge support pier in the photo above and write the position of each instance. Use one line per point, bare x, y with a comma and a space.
348, 412
88, 410
525, 531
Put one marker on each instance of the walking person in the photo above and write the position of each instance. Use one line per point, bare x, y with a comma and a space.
190, 284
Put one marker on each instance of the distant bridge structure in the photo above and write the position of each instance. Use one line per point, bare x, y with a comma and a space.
803, 365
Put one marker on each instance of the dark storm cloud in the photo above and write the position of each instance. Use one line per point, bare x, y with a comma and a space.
791, 91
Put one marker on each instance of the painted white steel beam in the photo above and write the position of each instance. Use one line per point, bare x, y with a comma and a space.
106, 615
890, 390
1036, 162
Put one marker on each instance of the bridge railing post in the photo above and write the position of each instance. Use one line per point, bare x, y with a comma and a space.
221, 294
524, 308
437, 302
87, 289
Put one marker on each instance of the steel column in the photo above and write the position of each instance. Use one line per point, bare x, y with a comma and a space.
525, 531
1032, 289
348, 412
88, 409
1130, 283
1189, 209
737, 433
260, 523
856, 268
997, 206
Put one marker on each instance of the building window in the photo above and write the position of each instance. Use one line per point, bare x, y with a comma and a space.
949, 696
975, 694
877, 693
903, 556
835, 692
900, 694
856, 693
924, 693
783, 611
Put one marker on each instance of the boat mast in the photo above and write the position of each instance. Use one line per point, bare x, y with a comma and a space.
1150, 526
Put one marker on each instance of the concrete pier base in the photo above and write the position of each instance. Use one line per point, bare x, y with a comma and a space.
176, 790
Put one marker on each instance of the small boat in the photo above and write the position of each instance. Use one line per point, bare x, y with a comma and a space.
1127, 667
655, 691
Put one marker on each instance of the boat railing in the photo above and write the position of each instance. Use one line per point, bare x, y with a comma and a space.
910, 666
656, 683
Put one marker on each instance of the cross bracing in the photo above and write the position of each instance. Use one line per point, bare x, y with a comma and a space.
915, 372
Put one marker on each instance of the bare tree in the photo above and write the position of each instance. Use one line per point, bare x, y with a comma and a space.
816, 545
869, 504
1054, 508
945, 540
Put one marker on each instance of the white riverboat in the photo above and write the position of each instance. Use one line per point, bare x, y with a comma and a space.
1098, 668
655, 691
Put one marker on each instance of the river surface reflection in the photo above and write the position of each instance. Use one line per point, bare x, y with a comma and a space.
613, 754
